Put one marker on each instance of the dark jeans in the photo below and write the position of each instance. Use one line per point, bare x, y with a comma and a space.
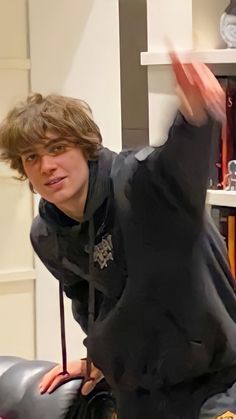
220, 406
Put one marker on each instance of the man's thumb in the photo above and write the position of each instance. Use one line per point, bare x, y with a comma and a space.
91, 382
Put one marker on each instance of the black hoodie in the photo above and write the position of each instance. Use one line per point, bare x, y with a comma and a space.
164, 331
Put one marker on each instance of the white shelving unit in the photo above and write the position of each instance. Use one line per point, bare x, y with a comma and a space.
221, 198
193, 26
17, 274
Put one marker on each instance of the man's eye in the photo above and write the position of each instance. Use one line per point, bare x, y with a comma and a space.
30, 158
58, 148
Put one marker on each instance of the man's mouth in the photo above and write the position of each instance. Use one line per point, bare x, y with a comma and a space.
54, 181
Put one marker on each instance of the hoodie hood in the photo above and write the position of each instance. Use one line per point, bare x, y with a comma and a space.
99, 190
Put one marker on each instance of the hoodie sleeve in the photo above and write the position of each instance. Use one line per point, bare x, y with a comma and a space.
162, 211
172, 181
183, 164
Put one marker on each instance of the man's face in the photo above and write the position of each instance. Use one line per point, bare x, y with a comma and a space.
57, 170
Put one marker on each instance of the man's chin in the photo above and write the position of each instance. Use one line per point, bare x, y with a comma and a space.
56, 199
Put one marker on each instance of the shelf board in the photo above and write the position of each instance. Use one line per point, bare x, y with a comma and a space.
15, 64
13, 276
221, 198
211, 56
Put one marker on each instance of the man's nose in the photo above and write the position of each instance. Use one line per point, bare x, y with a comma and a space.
47, 163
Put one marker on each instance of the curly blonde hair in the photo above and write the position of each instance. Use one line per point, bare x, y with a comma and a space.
28, 124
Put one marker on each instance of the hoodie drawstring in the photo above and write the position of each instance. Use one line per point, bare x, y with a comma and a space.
91, 302
63, 333
91, 310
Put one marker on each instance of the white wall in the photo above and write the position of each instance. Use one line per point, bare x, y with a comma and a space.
74, 51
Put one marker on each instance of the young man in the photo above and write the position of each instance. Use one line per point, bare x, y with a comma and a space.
128, 239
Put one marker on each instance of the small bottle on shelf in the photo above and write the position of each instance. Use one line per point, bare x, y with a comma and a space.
228, 25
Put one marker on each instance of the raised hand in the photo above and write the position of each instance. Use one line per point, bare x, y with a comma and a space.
199, 91
76, 369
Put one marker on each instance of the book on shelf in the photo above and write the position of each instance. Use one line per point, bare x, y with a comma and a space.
223, 139
223, 151
231, 242
225, 220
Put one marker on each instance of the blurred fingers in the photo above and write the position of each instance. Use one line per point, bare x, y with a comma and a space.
60, 379
180, 70
48, 379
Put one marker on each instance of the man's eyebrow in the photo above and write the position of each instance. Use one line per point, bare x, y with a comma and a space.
27, 151
52, 141
44, 144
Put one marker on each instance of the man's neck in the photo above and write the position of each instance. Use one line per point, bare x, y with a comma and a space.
75, 215
74, 208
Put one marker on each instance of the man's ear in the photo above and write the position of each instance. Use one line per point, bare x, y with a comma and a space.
33, 191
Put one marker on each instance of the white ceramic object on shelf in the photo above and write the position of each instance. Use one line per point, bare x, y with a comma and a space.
228, 25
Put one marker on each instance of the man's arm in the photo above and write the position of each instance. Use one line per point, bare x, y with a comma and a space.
181, 168
173, 180
170, 183
186, 155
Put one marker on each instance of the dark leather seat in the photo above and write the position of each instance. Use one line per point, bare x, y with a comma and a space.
20, 397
